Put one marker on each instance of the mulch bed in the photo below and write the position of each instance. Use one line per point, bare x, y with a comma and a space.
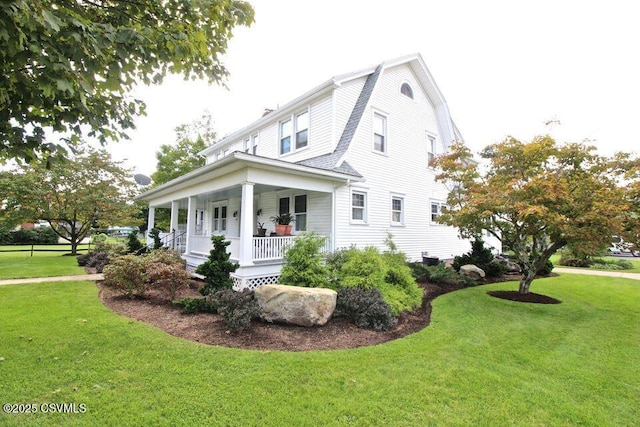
338, 333
530, 297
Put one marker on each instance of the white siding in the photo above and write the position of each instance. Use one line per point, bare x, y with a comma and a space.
345, 99
401, 171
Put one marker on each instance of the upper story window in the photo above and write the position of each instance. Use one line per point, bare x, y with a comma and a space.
431, 148
254, 144
379, 133
294, 132
246, 147
406, 90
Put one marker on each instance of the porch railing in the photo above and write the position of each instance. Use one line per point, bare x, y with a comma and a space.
273, 248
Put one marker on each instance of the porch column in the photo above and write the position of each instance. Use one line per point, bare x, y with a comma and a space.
151, 220
245, 256
173, 227
191, 221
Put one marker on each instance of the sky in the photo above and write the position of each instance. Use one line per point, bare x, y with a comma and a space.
504, 67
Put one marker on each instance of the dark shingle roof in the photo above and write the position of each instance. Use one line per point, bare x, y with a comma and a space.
330, 161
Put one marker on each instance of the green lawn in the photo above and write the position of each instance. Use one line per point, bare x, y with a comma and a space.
19, 265
482, 361
555, 259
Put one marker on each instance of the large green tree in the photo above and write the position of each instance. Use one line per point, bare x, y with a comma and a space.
177, 159
90, 190
67, 66
536, 197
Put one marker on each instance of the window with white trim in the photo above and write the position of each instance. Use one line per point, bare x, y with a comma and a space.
294, 132
246, 147
436, 211
358, 206
431, 150
406, 90
300, 212
397, 210
254, 144
379, 133
219, 219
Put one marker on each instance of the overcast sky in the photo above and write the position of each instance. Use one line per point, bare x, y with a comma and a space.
504, 67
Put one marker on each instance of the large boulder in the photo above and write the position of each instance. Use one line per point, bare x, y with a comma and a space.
295, 305
473, 272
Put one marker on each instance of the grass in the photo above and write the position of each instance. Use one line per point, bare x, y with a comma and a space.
482, 361
555, 259
20, 265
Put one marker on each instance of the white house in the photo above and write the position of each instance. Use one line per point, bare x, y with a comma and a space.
350, 160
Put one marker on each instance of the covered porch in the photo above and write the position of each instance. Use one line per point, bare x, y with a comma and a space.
233, 199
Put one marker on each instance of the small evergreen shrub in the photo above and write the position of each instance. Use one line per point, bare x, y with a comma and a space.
237, 308
547, 269
217, 268
127, 274
167, 278
443, 275
195, 305
366, 307
154, 233
482, 258
362, 269
303, 263
134, 245
569, 260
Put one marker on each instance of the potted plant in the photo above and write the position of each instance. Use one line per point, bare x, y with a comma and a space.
261, 230
283, 224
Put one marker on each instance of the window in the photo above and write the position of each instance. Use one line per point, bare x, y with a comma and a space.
406, 90
285, 136
245, 145
294, 132
283, 206
254, 144
436, 211
300, 211
219, 218
379, 133
397, 210
358, 206
302, 130
431, 148
199, 222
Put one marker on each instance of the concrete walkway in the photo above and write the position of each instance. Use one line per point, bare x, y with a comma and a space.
635, 276
52, 279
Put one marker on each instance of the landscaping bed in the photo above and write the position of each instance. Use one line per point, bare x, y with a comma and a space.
338, 333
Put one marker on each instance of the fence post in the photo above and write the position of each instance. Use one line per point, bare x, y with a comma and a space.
32, 249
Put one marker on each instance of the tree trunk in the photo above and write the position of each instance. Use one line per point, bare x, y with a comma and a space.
525, 281
74, 246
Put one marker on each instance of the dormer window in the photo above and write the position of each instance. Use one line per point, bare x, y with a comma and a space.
406, 90
294, 132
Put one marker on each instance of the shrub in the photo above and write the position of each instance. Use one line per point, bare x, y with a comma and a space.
569, 260
165, 256
97, 260
168, 278
154, 233
134, 245
37, 236
303, 263
482, 258
112, 248
363, 269
547, 269
618, 264
195, 305
237, 308
442, 275
366, 307
217, 268
127, 275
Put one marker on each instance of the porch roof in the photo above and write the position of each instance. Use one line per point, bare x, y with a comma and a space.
237, 161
